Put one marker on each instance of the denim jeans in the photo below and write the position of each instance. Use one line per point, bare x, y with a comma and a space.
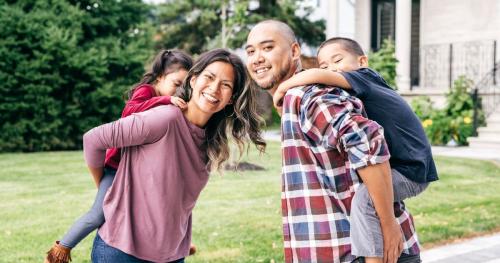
103, 253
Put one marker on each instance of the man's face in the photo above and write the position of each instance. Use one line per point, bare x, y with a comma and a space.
269, 57
334, 57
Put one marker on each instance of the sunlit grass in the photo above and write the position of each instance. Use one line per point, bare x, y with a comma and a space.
238, 216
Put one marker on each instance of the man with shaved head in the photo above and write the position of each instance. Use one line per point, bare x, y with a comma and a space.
329, 147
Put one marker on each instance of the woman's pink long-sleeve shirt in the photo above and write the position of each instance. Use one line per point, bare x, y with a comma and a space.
161, 174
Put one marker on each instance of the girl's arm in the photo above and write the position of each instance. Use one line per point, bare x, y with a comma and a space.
307, 77
144, 99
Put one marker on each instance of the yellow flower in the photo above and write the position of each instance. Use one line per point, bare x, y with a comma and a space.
467, 120
427, 123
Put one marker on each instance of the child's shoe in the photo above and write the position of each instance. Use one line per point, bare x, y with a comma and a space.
58, 254
192, 249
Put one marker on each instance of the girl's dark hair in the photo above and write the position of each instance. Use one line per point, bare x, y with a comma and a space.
239, 118
165, 62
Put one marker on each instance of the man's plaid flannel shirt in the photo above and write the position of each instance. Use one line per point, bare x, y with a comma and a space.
325, 138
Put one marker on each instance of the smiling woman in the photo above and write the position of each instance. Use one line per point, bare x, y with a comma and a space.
148, 207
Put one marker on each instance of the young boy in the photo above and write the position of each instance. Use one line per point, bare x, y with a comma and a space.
343, 64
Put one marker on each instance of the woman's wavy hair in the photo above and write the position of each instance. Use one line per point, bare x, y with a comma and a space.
164, 63
240, 118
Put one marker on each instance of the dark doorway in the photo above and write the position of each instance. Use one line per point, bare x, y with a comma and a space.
383, 22
384, 27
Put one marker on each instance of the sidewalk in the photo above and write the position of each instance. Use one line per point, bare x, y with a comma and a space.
484, 249
462, 152
467, 152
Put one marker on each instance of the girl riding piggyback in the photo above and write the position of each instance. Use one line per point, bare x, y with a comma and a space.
157, 87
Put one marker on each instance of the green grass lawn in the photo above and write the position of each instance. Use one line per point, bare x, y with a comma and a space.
237, 218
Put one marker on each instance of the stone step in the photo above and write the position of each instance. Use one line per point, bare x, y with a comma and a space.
479, 142
492, 125
488, 130
488, 135
493, 118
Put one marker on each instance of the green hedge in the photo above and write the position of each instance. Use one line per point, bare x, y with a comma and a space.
455, 121
64, 66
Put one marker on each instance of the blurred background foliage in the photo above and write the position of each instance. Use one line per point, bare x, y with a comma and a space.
65, 64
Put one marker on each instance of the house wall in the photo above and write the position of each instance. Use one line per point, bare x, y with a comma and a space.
447, 21
457, 36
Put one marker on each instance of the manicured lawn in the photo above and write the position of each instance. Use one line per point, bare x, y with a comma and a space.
237, 218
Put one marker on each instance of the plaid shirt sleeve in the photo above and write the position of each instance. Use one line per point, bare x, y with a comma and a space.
335, 120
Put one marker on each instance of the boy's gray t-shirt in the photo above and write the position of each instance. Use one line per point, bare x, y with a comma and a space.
410, 150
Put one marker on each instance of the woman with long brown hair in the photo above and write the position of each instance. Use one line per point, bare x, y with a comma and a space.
166, 157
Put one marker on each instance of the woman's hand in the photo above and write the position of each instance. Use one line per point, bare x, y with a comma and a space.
178, 102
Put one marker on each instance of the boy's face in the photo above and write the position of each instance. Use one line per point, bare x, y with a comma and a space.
335, 57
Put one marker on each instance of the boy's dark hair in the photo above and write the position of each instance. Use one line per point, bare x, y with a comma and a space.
165, 62
349, 45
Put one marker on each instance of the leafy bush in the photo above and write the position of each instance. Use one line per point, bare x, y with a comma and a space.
455, 121
384, 62
64, 66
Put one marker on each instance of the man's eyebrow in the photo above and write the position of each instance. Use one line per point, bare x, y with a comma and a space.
261, 43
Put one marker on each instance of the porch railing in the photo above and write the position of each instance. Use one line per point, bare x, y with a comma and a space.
486, 94
441, 64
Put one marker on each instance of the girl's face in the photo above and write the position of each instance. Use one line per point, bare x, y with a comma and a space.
213, 88
168, 84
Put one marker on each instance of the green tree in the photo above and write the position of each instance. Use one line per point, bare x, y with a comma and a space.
197, 25
384, 62
64, 66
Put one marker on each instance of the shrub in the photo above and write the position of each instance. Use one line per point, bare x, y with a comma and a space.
64, 66
384, 62
455, 121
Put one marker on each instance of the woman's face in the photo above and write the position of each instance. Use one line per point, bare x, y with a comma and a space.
213, 88
168, 84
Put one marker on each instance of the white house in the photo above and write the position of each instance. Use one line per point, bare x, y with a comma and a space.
436, 41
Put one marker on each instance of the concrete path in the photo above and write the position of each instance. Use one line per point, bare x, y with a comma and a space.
462, 152
467, 152
484, 249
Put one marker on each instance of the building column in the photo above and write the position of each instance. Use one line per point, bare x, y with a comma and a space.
362, 31
403, 44
332, 24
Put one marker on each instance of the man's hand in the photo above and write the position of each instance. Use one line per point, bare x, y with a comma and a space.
393, 241
378, 181
178, 102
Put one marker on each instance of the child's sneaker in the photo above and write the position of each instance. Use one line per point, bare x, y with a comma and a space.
58, 254
192, 249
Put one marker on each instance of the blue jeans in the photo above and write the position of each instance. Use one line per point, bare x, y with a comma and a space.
103, 253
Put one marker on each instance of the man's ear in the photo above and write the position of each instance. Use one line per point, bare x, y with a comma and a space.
296, 52
363, 61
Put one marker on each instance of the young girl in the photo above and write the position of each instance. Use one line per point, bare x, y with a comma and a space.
166, 155
169, 69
